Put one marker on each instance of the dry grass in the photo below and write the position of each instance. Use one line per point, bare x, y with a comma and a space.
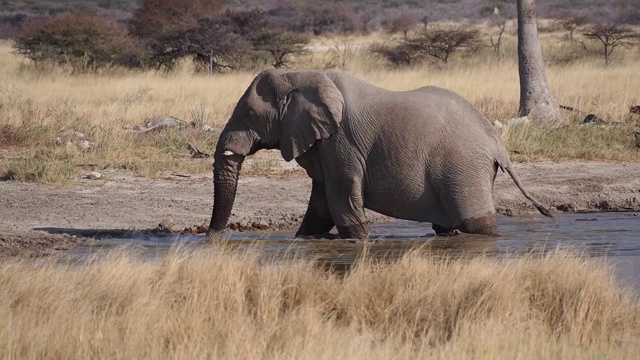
39, 105
219, 303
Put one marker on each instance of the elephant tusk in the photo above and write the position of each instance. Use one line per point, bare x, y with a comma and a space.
228, 153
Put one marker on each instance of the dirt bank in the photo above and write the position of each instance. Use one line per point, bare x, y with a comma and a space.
37, 220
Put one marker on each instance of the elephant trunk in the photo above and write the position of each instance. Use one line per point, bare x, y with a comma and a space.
225, 184
230, 153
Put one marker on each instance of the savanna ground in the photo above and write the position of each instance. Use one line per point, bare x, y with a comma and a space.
217, 303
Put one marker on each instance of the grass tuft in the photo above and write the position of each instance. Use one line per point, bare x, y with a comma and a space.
570, 142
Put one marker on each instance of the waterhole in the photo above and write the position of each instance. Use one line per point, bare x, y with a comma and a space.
614, 236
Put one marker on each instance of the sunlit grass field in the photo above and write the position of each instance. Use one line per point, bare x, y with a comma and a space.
39, 105
219, 303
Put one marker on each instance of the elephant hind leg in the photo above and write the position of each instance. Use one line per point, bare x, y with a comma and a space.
440, 230
485, 225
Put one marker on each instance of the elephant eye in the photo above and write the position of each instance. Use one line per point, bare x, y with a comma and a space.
250, 113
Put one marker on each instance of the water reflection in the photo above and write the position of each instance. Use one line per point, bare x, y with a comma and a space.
611, 235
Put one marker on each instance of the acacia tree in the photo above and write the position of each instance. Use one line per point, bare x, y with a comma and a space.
280, 45
442, 42
536, 100
501, 23
572, 23
611, 36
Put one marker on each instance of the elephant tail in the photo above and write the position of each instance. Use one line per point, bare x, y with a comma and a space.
508, 167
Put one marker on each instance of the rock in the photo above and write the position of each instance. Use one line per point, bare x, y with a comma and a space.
207, 128
203, 228
158, 123
94, 175
86, 144
165, 225
196, 229
239, 226
498, 125
593, 119
565, 207
73, 133
196, 153
518, 120
262, 225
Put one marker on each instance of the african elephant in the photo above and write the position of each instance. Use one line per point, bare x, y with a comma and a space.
424, 155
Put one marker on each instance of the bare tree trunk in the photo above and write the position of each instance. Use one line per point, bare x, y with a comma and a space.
536, 100
210, 65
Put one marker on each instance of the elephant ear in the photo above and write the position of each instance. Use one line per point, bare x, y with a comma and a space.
311, 111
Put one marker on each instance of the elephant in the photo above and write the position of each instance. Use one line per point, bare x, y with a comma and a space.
425, 155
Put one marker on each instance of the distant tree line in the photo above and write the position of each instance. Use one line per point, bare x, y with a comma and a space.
159, 33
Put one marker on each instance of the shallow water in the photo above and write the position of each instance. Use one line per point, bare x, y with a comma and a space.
614, 236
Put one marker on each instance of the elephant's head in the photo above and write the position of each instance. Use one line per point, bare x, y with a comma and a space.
282, 110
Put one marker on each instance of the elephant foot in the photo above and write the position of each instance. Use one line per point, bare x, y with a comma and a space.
357, 231
325, 236
441, 230
213, 236
485, 225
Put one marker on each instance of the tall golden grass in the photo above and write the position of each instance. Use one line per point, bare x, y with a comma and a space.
37, 105
220, 303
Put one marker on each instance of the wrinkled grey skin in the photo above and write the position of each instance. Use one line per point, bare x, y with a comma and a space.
423, 155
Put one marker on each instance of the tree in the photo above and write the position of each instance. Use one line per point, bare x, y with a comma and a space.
211, 43
82, 41
444, 41
280, 44
572, 23
247, 23
157, 16
536, 100
612, 36
403, 24
501, 23
332, 17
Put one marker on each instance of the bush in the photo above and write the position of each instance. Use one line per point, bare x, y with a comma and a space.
397, 55
225, 42
159, 16
82, 41
300, 17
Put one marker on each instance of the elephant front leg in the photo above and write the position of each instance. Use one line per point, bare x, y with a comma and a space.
317, 221
347, 208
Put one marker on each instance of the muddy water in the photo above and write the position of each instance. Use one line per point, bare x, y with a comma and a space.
614, 236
